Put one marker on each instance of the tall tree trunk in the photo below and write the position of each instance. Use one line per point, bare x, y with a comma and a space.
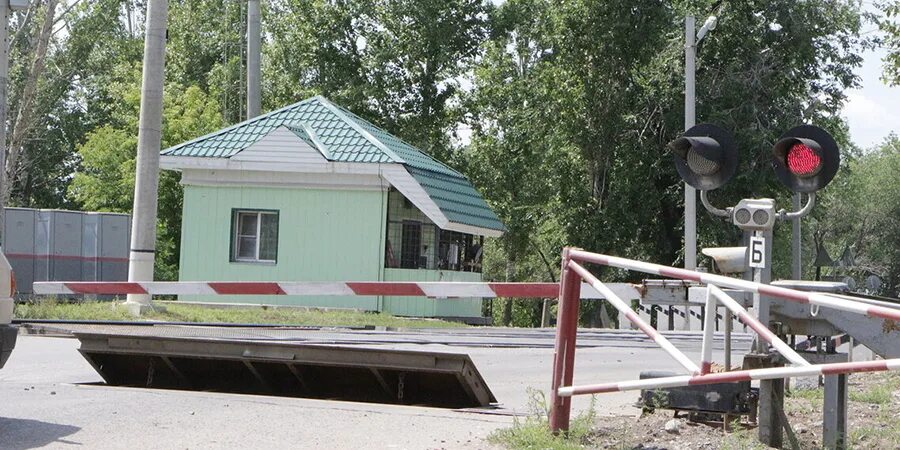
506, 319
25, 116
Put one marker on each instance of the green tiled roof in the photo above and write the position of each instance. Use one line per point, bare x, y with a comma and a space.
347, 137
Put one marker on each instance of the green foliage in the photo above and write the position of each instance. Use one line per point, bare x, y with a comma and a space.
393, 62
573, 105
868, 190
889, 23
106, 179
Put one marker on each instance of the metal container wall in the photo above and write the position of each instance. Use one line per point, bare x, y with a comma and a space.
66, 244
114, 239
90, 246
19, 248
57, 245
43, 237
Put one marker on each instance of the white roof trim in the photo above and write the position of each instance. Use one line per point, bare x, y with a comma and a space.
401, 180
326, 152
471, 229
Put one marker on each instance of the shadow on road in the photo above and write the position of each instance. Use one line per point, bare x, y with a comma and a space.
21, 434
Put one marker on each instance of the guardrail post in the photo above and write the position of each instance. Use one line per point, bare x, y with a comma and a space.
564, 351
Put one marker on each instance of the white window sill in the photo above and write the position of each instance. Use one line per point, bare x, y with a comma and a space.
254, 262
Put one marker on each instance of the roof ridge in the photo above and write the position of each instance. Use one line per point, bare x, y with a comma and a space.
240, 124
337, 110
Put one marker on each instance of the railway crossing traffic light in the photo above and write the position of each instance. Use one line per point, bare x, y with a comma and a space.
705, 156
806, 158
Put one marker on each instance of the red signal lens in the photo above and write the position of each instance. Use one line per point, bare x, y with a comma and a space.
803, 161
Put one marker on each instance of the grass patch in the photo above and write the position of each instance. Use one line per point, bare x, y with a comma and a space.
97, 310
534, 431
876, 395
808, 394
742, 440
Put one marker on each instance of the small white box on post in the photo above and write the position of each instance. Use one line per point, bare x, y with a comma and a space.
18, 5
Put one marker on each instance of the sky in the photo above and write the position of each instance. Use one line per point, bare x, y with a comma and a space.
873, 111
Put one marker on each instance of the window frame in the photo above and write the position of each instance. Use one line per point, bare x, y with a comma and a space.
236, 214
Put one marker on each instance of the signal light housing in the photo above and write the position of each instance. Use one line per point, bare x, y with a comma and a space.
806, 158
705, 156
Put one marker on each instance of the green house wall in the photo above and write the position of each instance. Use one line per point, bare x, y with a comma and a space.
323, 235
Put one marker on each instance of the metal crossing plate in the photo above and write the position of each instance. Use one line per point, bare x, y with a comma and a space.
174, 360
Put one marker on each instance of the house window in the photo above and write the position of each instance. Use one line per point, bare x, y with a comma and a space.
254, 236
410, 249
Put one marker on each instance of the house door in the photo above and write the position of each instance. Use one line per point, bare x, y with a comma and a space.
411, 247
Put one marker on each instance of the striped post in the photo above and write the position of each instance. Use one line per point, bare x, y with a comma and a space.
564, 349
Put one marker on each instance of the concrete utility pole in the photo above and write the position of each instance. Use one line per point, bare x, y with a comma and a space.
5, 7
146, 186
796, 256
254, 39
690, 118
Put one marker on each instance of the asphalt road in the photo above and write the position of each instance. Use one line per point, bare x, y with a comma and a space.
51, 398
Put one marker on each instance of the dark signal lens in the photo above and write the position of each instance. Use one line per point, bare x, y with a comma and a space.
803, 161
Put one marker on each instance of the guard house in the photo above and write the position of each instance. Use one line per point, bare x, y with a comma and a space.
312, 192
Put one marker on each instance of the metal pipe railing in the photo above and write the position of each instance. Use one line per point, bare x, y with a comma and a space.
811, 298
732, 377
567, 329
623, 308
761, 330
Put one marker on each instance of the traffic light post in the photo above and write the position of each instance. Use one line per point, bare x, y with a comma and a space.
805, 159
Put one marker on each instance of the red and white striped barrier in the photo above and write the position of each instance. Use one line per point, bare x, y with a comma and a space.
812, 298
761, 330
620, 305
566, 333
733, 377
414, 289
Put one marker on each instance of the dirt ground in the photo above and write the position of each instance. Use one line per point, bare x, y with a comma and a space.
874, 422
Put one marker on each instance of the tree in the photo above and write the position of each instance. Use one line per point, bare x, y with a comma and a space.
889, 24
396, 63
868, 190
512, 150
53, 94
106, 179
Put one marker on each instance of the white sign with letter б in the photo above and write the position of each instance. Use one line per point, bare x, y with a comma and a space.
758, 252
